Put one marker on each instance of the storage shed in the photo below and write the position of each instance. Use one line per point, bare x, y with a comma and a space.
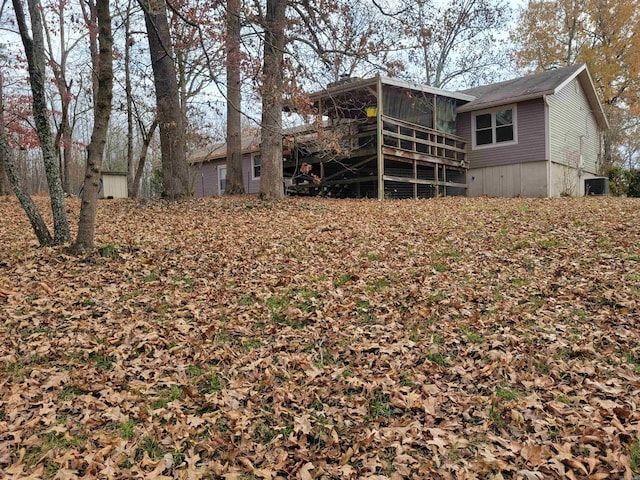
113, 185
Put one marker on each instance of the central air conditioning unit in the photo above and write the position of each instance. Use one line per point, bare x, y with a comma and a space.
596, 186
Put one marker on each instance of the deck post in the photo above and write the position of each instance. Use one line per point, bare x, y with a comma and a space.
380, 141
415, 177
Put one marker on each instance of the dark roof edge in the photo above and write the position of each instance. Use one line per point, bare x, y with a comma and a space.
584, 77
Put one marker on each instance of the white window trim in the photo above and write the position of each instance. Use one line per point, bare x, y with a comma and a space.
253, 167
220, 168
513, 108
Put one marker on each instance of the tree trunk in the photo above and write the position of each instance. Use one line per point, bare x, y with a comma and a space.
6, 164
129, 98
34, 50
235, 183
95, 149
67, 141
63, 139
175, 175
607, 151
62, 145
4, 187
271, 181
135, 187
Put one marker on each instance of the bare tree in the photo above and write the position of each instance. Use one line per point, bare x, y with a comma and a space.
147, 136
34, 50
175, 175
271, 185
102, 113
28, 205
4, 188
235, 184
128, 42
451, 41
59, 64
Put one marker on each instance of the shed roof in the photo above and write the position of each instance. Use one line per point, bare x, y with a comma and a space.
535, 86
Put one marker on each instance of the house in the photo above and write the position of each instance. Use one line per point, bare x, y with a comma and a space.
534, 136
209, 169
538, 135
376, 138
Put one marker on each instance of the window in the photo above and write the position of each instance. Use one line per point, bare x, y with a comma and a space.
495, 127
222, 179
255, 166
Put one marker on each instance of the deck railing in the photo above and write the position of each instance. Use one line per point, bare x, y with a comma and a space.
400, 139
416, 139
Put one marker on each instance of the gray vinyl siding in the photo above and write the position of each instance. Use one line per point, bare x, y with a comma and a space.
531, 146
250, 185
205, 177
573, 130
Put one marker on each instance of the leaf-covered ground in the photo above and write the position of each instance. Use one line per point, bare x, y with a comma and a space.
230, 338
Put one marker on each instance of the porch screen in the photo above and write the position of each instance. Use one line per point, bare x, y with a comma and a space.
408, 105
446, 115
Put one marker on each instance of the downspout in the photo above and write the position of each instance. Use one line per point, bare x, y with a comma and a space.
547, 149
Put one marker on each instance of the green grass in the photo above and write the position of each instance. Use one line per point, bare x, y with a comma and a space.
305, 299
103, 362
250, 344
378, 285
263, 433
440, 267
379, 406
150, 277
633, 360
165, 396
365, 311
152, 447
453, 254
343, 280
127, 429
246, 300
69, 392
58, 440
193, 371
634, 456
437, 358
548, 243
519, 282
277, 303
471, 335
497, 420
508, 394
210, 383
109, 250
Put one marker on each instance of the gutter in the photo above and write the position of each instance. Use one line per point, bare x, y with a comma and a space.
471, 107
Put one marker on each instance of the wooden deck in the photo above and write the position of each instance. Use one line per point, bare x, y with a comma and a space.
418, 162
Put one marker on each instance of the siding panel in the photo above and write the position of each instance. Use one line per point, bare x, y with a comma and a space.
527, 179
205, 180
531, 146
573, 131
